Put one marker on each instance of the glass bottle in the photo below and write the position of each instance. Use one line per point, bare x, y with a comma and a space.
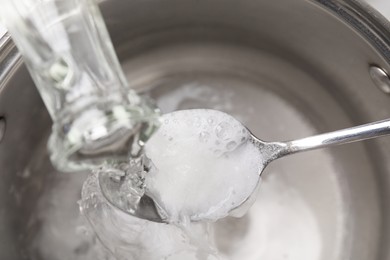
68, 51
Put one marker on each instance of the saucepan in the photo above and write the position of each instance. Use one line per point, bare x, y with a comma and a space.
285, 68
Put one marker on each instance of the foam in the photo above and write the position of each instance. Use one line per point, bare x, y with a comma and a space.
204, 165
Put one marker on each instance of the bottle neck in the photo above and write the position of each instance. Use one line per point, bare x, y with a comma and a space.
68, 51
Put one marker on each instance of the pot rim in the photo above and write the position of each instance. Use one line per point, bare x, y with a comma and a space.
362, 17
365, 20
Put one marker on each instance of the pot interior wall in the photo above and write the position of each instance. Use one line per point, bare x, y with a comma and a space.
287, 69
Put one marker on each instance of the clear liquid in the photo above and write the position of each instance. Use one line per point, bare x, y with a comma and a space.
124, 236
123, 184
128, 237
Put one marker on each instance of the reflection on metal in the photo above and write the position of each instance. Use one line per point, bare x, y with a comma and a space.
380, 78
366, 20
2, 128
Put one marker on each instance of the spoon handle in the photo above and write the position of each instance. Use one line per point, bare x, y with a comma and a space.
348, 135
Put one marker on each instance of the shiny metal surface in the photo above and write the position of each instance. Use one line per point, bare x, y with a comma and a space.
2, 128
380, 78
344, 136
146, 208
306, 61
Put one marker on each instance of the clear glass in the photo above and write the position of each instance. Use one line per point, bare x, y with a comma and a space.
126, 237
69, 54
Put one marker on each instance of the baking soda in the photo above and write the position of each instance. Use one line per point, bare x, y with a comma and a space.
203, 165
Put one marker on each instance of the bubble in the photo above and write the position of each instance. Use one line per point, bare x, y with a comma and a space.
231, 145
204, 136
166, 121
210, 120
223, 130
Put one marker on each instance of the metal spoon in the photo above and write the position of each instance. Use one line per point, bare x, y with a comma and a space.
271, 151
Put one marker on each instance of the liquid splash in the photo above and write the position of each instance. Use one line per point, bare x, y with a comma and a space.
128, 237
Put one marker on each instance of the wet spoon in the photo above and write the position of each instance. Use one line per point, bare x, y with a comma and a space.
268, 151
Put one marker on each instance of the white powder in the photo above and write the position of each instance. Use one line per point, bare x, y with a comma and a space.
204, 165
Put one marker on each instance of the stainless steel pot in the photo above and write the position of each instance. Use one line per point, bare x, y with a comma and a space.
287, 68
